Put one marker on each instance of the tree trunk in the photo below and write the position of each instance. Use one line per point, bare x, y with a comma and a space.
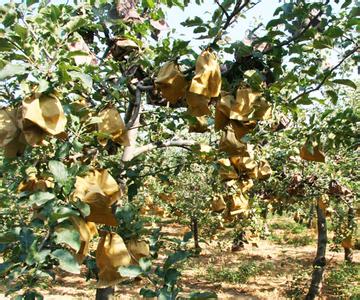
195, 230
311, 216
105, 293
348, 255
351, 222
320, 260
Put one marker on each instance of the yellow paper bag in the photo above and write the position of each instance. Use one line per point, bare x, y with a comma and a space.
222, 112
238, 202
316, 156
87, 231
207, 79
200, 125
8, 126
231, 145
242, 128
198, 105
245, 185
100, 190
171, 82
111, 254
123, 47
243, 164
226, 170
249, 105
42, 114
218, 204
137, 249
16, 147
113, 125
264, 170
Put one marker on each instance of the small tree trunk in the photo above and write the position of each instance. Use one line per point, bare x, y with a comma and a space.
311, 216
195, 230
320, 260
105, 293
348, 255
351, 222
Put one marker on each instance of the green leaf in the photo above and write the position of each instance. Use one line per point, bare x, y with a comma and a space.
148, 3
85, 79
171, 276
334, 32
69, 236
11, 70
274, 23
200, 29
333, 96
40, 198
75, 24
83, 207
130, 271
175, 257
66, 260
192, 22
203, 295
145, 264
31, 2
9, 236
58, 169
63, 212
347, 82
5, 45
147, 293
4, 267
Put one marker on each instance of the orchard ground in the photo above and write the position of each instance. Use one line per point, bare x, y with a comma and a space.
278, 267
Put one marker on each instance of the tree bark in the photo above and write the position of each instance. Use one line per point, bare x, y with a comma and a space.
195, 230
311, 216
105, 293
351, 222
320, 260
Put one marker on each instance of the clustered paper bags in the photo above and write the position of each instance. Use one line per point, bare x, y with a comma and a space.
100, 190
238, 172
40, 115
206, 84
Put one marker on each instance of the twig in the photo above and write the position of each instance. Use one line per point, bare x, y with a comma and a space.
185, 144
326, 76
223, 9
239, 6
47, 54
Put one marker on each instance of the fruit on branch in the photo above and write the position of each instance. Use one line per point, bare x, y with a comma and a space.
171, 82
112, 125
111, 253
100, 190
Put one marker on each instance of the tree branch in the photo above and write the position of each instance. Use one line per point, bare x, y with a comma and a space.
327, 75
297, 36
223, 9
178, 143
134, 107
239, 6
